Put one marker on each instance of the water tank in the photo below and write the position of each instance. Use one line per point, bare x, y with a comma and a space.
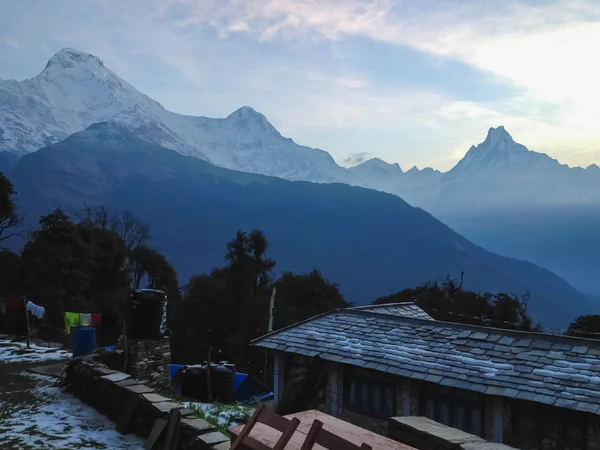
193, 382
84, 341
147, 314
222, 383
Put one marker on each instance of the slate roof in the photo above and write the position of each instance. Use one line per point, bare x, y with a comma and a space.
555, 370
405, 309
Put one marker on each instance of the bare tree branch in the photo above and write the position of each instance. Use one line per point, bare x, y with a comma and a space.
8, 223
132, 230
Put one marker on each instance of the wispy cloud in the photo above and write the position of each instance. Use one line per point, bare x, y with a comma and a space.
11, 42
316, 67
544, 48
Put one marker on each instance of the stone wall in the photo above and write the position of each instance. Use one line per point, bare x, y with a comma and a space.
150, 360
550, 423
108, 391
426, 434
332, 402
593, 432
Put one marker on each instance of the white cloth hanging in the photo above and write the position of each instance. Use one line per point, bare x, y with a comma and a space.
35, 310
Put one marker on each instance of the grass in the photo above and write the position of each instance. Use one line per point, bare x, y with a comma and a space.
221, 416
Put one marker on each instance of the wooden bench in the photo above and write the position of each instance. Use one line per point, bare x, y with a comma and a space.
318, 435
262, 415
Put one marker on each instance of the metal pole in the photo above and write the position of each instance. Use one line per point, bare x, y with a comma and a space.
208, 380
271, 306
269, 329
27, 320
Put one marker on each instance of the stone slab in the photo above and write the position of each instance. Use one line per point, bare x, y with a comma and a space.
222, 446
104, 370
155, 398
215, 437
139, 389
53, 370
485, 446
198, 424
427, 429
186, 412
116, 376
166, 406
127, 382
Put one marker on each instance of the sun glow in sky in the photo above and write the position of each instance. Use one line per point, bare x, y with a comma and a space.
410, 82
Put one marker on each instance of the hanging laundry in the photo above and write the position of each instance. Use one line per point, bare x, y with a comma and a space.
35, 310
13, 304
84, 319
71, 320
96, 320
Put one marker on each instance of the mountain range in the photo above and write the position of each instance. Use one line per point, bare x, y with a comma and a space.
485, 196
77, 89
370, 242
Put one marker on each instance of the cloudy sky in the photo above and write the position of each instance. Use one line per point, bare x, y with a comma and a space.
413, 82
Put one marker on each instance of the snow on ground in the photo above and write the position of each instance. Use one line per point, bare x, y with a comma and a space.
224, 416
48, 418
17, 352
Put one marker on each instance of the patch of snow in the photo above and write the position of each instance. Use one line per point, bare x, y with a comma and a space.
224, 415
17, 352
57, 420
573, 365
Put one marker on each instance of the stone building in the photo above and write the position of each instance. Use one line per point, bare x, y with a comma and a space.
527, 390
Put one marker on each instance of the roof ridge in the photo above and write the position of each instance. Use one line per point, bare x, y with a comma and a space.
381, 305
489, 330
295, 324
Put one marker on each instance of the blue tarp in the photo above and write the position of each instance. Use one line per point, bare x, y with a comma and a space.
247, 389
239, 379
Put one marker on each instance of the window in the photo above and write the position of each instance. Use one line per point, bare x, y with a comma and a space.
369, 394
455, 408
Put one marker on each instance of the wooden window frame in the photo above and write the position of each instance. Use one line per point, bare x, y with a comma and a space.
372, 379
454, 397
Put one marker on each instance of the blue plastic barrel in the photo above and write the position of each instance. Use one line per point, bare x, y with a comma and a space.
84, 341
173, 371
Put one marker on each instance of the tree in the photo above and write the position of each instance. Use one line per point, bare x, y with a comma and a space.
300, 297
247, 262
97, 216
57, 261
109, 279
10, 275
133, 231
587, 326
499, 310
77, 265
148, 263
9, 218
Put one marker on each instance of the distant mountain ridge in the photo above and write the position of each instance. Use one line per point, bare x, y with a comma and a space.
369, 242
497, 180
77, 89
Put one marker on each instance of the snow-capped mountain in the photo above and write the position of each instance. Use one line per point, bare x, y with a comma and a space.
501, 173
77, 89
500, 152
376, 174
